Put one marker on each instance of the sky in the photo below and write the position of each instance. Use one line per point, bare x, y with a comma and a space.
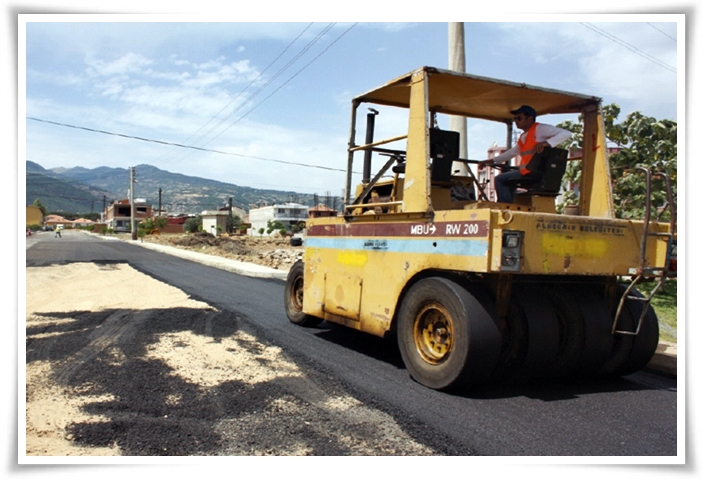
268, 104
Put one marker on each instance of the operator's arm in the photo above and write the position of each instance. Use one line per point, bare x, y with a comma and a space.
504, 157
553, 135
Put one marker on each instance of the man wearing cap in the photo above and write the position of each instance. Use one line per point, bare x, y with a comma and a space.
535, 137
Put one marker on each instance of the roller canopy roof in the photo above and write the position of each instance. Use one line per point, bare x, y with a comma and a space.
478, 97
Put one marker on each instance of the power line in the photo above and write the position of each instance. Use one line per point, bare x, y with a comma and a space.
261, 88
628, 46
168, 143
661, 31
285, 83
242, 91
283, 69
273, 78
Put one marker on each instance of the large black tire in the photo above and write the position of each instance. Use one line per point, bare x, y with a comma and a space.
621, 344
294, 293
645, 343
531, 336
598, 329
446, 336
571, 331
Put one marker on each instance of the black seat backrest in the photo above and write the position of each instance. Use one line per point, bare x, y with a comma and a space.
443, 149
548, 168
552, 165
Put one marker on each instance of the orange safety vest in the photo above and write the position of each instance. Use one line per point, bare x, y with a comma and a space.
526, 148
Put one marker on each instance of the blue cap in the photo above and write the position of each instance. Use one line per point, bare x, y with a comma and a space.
526, 109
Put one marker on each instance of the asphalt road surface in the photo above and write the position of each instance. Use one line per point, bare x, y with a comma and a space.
631, 416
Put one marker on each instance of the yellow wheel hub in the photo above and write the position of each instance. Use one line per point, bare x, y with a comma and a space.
433, 333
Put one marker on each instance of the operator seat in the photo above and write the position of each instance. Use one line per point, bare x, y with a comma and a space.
548, 168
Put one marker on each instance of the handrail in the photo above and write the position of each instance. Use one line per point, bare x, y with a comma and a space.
377, 143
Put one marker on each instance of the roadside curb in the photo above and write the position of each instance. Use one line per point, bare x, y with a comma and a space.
665, 360
233, 266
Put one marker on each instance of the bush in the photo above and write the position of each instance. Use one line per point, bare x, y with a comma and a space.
193, 225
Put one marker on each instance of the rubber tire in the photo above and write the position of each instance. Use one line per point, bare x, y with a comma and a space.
598, 329
621, 344
645, 343
475, 338
293, 297
571, 331
537, 327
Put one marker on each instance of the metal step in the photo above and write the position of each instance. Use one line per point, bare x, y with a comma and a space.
661, 274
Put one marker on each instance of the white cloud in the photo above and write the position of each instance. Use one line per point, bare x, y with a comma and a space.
165, 86
128, 63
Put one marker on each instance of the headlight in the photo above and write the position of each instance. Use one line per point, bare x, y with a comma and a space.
511, 259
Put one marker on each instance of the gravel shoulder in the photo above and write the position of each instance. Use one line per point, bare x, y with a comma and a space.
274, 251
119, 364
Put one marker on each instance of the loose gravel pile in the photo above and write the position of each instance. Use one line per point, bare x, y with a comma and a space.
120, 364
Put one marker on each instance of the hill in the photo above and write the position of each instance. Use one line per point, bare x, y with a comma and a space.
58, 194
82, 190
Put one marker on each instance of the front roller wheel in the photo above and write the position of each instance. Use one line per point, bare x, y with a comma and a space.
445, 335
294, 293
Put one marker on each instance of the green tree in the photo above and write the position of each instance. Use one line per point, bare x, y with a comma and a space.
152, 225
644, 141
193, 225
233, 223
275, 225
38, 204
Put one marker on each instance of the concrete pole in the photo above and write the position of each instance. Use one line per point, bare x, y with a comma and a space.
131, 202
457, 62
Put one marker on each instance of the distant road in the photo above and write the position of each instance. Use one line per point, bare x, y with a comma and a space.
632, 416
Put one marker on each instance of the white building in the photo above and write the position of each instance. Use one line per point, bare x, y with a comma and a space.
289, 214
214, 221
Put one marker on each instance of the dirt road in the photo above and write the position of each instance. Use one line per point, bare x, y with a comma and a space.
118, 363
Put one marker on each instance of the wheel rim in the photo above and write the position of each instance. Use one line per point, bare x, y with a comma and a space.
297, 294
433, 333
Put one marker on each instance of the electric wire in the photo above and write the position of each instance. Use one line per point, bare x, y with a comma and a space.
240, 93
628, 46
273, 78
284, 83
179, 145
197, 148
661, 31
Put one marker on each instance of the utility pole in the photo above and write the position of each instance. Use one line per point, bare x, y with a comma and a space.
159, 202
457, 62
230, 224
132, 174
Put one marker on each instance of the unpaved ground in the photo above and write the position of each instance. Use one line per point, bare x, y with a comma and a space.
118, 363
274, 252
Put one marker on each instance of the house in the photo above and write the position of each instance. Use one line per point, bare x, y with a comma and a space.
82, 223
486, 175
322, 211
175, 224
35, 216
215, 221
57, 221
118, 215
288, 214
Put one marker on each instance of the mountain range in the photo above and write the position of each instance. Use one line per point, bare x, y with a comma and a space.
81, 190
